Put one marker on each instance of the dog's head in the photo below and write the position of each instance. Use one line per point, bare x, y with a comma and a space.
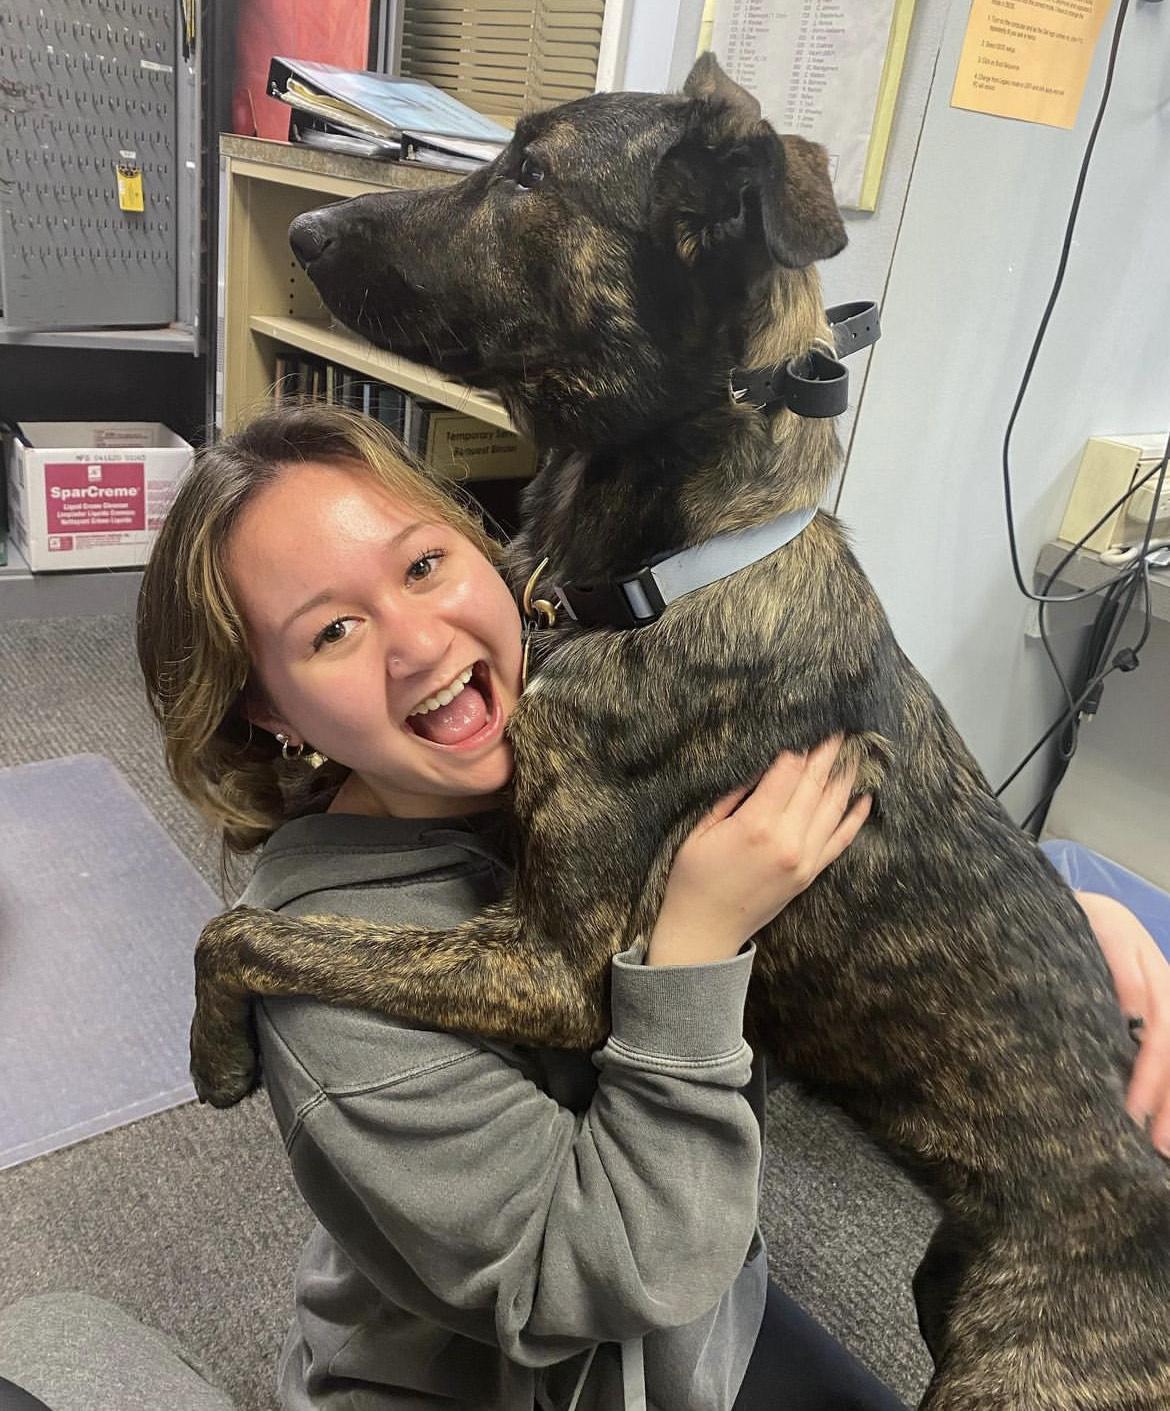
605, 271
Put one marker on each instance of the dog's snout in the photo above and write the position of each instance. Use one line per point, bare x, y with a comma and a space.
309, 238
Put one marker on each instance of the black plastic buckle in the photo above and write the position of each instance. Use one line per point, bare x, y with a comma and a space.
610, 604
760, 386
816, 386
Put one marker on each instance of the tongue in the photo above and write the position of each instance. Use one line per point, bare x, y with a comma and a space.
455, 722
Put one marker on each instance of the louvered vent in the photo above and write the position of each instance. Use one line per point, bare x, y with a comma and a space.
504, 57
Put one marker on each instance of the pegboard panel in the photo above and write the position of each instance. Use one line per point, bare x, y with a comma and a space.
86, 86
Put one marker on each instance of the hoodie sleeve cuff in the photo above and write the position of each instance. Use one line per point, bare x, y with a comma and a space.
688, 1012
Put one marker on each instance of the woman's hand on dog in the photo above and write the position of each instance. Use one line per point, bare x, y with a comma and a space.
752, 853
1141, 977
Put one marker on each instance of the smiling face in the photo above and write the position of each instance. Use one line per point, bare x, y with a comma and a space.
363, 621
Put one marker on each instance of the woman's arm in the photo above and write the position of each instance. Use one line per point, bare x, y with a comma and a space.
469, 1196
496, 974
1141, 977
472, 1197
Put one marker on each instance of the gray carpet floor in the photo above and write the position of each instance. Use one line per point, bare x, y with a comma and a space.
189, 1219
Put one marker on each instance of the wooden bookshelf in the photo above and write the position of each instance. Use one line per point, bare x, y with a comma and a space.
268, 302
338, 345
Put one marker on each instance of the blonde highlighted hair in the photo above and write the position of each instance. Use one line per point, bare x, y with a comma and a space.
190, 633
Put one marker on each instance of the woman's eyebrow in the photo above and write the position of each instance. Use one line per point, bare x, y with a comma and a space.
329, 593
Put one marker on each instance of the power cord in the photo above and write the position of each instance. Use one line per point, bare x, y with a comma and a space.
1058, 282
1099, 649
1096, 665
1124, 661
1083, 696
1137, 564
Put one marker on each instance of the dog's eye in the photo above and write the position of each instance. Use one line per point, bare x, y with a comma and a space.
531, 174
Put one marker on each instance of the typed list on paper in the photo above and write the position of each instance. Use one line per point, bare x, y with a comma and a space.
1028, 59
816, 66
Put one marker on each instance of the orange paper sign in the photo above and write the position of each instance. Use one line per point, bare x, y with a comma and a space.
1028, 59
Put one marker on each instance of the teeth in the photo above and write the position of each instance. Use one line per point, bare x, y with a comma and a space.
445, 696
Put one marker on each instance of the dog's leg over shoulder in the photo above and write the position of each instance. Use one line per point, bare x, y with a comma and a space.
487, 976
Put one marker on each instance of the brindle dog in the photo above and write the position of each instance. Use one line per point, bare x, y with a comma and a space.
938, 983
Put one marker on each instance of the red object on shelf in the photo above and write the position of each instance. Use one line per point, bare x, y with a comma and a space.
329, 31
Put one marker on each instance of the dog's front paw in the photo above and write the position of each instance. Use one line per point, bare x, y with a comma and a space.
225, 1066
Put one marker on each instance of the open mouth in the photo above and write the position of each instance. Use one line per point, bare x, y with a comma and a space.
468, 717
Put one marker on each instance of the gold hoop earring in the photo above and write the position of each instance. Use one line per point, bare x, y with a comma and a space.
283, 742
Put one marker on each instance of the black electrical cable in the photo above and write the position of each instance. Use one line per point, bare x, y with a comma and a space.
1103, 635
1040, 743
1092, 675
1093, 668
1126, 660
1062, 265
1108, 584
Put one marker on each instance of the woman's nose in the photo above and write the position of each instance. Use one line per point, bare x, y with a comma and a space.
419, 642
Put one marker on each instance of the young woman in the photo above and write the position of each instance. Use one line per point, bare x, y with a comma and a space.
499, 1227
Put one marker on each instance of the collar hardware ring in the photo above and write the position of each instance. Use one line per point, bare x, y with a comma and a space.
538, 612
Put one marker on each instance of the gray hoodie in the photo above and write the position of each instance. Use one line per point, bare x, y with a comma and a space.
505, 1227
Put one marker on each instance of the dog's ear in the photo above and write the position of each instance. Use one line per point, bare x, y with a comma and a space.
707, 80
747, 179
795, 193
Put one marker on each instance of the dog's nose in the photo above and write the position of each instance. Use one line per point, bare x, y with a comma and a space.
308, 238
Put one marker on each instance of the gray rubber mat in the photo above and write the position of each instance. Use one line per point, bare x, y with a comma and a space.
99, 912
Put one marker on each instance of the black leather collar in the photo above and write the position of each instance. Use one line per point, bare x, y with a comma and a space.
816, 385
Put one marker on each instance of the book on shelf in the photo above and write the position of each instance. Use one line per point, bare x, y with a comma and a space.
302, 377
445, 153
377, 115
461, 446
450, 442
307, 131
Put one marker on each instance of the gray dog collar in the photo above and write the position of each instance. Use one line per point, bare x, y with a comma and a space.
642, 597
815, 385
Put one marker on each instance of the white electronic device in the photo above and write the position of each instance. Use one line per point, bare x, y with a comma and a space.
1109, 467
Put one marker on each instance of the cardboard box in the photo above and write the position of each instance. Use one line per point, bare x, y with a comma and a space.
91, 494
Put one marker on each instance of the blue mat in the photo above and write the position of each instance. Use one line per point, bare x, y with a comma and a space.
99, 912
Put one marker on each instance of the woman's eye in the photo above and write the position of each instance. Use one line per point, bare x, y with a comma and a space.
324, 638
422, 566
531, 174
334, 632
